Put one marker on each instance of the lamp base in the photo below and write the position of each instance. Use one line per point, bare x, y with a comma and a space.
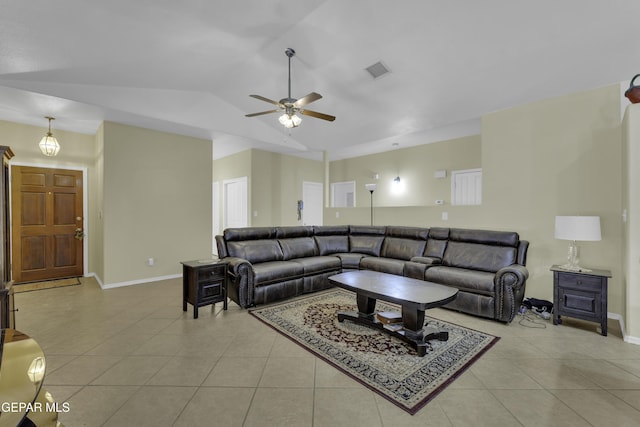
573, 259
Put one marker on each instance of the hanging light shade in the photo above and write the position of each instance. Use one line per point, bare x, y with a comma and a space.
49, 144
290, 120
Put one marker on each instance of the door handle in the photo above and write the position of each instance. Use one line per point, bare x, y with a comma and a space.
79, 234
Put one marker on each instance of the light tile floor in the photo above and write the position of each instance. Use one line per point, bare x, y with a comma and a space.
131, 357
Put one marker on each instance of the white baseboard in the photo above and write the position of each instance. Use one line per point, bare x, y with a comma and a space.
625, 337
136, 282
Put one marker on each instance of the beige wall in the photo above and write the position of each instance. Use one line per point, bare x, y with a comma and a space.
274, 181
286, 174
95, 237
157, 202
415, 204
77, 149
77, 152
561, 156
631, 203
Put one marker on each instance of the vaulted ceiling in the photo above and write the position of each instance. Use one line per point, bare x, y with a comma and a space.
188, 67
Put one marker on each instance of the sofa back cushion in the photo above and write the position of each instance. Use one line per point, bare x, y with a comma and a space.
437, 243
405, 249
368, 245
481, 249
296, 231
330, 230
297, 247
249, 233
328, 245
255, 251
366, 239
476, 256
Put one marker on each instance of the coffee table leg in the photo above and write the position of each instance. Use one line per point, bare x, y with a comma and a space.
413, 323
366, 306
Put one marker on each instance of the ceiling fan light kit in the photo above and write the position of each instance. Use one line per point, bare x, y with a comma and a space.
289, 107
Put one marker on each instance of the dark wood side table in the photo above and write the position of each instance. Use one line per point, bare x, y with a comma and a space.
203, 283
580, 294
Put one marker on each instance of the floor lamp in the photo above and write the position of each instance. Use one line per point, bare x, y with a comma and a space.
371, 188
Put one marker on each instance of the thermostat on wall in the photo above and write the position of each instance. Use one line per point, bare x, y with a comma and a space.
439, 202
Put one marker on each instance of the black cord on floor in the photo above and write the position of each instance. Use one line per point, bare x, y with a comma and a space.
529, 320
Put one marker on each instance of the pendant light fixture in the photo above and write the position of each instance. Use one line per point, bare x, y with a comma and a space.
49, 144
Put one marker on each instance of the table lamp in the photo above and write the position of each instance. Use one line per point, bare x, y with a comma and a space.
577, 228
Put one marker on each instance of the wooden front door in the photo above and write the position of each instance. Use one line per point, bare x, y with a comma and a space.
47, 233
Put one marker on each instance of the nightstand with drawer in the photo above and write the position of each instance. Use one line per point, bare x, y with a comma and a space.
203, 283
580, 294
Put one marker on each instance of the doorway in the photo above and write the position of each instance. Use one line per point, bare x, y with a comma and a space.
47, 223
312, 196
235, 206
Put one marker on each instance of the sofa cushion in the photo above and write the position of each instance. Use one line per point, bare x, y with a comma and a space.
249, 233
414, 233
426, 260
437, 242
297, 231
276, 271
383, 265
478, 257
350, 261
330, 230
394, 247
368, 245
297, 247
319, 264
501, 238
368, 230
469, 280
255, 251
332, 244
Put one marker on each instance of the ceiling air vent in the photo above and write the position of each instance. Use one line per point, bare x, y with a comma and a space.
377, 70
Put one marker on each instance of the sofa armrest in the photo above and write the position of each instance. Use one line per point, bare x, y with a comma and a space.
510, 286
426, 260
241, 276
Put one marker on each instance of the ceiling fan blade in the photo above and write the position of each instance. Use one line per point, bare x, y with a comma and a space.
270, 101
308, 99
318, 115
261, 113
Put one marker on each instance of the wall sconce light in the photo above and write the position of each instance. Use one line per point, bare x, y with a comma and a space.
49, 144
396, 180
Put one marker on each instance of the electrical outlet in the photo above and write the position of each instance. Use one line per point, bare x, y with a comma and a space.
445, 216
151, 262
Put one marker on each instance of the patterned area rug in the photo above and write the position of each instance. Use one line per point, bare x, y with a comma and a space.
383, 363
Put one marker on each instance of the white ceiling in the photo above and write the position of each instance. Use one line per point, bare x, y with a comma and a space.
188, 67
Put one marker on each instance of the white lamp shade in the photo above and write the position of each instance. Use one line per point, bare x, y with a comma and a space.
290, 121
49, 145
371, 187
581, 228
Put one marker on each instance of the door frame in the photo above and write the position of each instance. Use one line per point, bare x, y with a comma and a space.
305, 186
242, 180
85, 206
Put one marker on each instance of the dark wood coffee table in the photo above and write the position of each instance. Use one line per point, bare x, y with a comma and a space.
413, 295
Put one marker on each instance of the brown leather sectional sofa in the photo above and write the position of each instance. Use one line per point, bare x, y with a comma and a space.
268, 264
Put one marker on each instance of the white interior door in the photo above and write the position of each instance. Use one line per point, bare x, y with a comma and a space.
312, 194
235, 204
466, 187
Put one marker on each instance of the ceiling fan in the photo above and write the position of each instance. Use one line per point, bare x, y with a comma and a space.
290, 106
